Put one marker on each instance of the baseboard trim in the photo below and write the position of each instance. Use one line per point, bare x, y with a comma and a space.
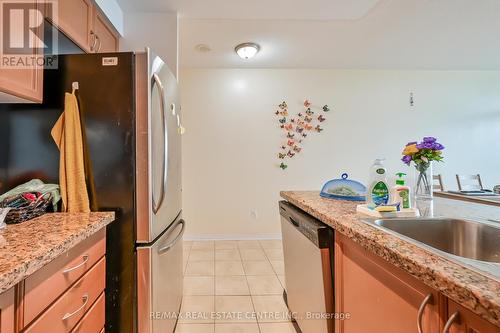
206, 237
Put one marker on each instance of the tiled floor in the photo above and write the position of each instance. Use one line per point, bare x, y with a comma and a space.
234, 287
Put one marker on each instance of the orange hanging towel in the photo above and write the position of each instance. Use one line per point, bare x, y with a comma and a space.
67, 133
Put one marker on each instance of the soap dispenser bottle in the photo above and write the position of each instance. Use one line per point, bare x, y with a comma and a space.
401, 192
378, 191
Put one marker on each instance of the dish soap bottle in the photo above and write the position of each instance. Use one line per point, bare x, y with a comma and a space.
401, 192
378, 193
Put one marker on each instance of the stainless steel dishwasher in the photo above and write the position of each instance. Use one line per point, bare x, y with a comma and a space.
308, 253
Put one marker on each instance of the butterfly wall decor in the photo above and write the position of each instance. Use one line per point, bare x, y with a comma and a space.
303, 123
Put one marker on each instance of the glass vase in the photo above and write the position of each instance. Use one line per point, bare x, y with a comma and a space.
423, 181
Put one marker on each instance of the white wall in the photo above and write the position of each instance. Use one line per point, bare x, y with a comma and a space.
229, 157
155, 30
114, 13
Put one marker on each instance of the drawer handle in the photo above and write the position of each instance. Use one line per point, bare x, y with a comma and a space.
85, 299
85, 258
426, 300
450, 321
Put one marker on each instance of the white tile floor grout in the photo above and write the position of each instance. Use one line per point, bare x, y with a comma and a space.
233, 287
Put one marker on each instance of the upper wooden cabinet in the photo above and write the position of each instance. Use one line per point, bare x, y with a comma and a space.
106, 38
461, 320
75, 19
379, 297
20, 83
83, 22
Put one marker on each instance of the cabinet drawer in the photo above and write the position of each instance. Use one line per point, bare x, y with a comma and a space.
46, 285
65, 313
93, 322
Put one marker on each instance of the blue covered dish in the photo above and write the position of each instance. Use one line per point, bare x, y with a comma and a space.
344, 189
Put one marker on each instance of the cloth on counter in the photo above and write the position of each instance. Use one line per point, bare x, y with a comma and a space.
35, 185
3, 215
67, 133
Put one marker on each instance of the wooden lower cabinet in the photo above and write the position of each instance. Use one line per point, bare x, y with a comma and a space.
65, 296
43, 287
73, 305
466, 321
379, 297
7, 311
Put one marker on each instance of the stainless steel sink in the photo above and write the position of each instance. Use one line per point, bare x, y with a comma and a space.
468, 239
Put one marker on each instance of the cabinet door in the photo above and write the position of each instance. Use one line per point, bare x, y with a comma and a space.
379, 297
107, 39
75, 20
466, 321
7, 311
21, 84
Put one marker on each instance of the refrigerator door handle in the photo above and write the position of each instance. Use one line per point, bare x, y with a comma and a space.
157, 205
172, 243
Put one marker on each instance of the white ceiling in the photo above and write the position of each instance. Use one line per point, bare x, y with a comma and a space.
257, 9
364, 34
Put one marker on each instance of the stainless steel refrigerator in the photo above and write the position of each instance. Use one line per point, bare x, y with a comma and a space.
159, 226
132, 120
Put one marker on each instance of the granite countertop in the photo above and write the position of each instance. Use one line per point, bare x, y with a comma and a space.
473, 286
28, 246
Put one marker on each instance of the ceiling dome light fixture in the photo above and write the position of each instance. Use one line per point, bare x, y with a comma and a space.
247, 50
203, 48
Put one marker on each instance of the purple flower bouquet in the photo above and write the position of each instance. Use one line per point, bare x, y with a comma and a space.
422, 154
